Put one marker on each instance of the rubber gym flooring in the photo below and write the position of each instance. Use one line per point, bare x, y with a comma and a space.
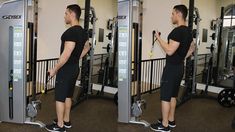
99, 115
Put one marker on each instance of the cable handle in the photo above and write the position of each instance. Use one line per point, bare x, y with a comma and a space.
154, 33
48, 76
153, 42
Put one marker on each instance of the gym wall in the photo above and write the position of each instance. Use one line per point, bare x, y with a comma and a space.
105, 10
51, 26
157, 15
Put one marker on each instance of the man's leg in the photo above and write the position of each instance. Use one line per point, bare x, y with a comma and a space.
68, 104
165, 112
172, 109
60, 109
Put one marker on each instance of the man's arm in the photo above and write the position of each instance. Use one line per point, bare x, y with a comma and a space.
191, 50
85, 49
168, 48
68, 49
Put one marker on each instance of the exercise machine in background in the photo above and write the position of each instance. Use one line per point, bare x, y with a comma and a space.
108, 76
213, 72
226, 97
85, 88
191, 64
86, 91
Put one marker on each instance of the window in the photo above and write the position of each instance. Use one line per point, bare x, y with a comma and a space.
229, 16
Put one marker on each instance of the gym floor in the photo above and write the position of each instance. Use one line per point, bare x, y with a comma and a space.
99, 115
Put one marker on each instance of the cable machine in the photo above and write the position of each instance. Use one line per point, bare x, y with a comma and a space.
13, 74
128, 112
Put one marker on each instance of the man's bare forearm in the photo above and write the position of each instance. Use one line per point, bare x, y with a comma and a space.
62, 60
190, 52
164, 45
84, 52
86, 48
65, 55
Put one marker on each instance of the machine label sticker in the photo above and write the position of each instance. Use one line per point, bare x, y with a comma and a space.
18, 46
123, 51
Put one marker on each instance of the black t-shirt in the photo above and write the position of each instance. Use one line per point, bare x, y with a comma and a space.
181, 34
78, 35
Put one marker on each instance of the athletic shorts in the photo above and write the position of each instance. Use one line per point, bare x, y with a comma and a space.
65, 81
170, 81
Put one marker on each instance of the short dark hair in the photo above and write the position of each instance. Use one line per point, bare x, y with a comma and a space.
76, 9
183, 9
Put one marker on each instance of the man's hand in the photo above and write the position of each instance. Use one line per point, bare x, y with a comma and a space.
157, 35
52, 72
85, 49
192, 48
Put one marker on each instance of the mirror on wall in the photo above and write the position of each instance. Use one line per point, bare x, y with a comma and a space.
215, 56
226, 54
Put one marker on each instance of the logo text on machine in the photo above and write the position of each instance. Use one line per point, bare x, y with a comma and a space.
11, 17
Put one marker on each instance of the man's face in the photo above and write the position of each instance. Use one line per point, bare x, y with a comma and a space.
68, 16
175, 16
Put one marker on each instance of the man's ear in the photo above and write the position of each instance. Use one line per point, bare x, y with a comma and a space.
73, 14
179, 14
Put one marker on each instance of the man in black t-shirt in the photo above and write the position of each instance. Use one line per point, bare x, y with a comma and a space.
74, 45
178, 47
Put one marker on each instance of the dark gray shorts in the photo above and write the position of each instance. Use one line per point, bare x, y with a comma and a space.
65, 81
170, 81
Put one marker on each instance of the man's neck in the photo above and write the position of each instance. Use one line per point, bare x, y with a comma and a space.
74, 23
181, 23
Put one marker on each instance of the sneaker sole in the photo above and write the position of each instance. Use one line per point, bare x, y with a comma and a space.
68, 127
159, 130
64, 125
171, 126
52, 130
